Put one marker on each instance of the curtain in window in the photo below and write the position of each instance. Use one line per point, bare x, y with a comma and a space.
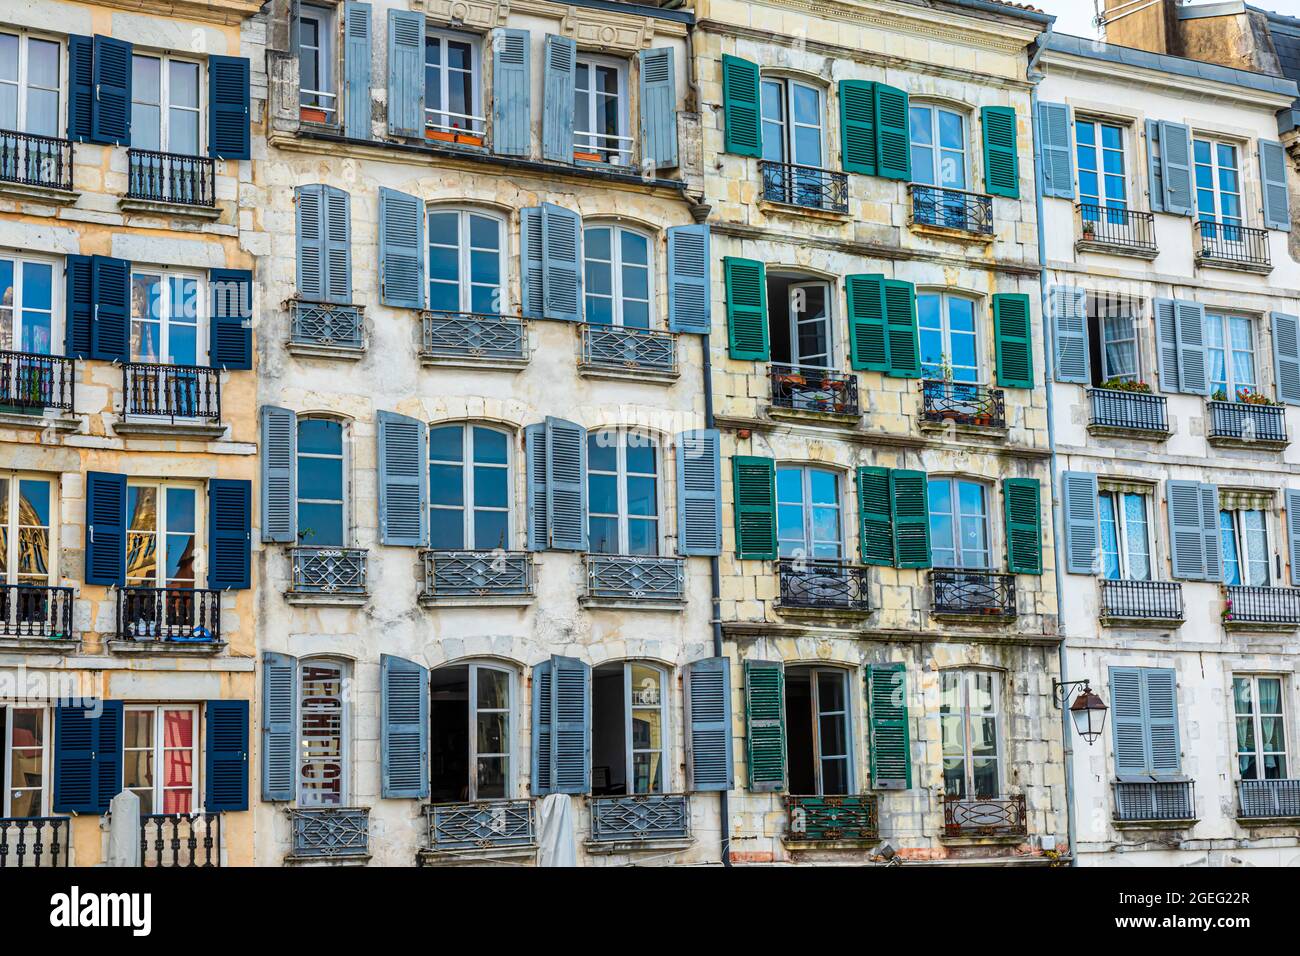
1136, 537
1121, 347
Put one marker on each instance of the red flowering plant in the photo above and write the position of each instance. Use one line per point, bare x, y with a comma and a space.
1248, 396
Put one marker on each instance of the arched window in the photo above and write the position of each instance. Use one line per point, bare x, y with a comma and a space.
323, 749
618, 279
808, 523
469, 488
622, 492
466, 261
322, 485
959, 523
819, 721
628, 728
472, 723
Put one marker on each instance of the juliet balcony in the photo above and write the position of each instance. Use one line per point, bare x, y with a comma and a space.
1246, 425
328, 575
640, 818
641, 353
466, 577
36, 162
1260, 608
1226, 246
35, 613
34, 842
971, 406
1268, 799
973, 595
329, 833
173, 619
800, 388
982, 817
1157, 603
818, 585
472, 338
635, 581
819, 821
182, 397
485, 828
32, 384
180, 840
1117, 231
1158, 802
807, 187
326, 329
156, 181
955, 210
1125, 414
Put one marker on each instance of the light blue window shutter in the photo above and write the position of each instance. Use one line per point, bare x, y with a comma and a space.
1055, 125
1186, 538
1293, 532
1176, 168
559, 65
543, 746
658, 105
403, 481
1286, 357
511, 93
1167, 344
279, 705
1272, 176
310, 202
709, 759
571, 725
357, 19
406, 73
338, 245
1082, 534
279, 474
1070, 315
561, 263
401, 249
532, 281
1129, 721
1190, 326
535, 455
1155, 176
566, 485
699, 492
1161, 705
404, 727
690, 302
1210, 532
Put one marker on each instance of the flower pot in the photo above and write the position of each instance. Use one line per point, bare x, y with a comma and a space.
469, 139
589, 157
441, 136
311, 114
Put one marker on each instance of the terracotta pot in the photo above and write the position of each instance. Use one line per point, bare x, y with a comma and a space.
441, 136
469, 139
310, 114
590, 157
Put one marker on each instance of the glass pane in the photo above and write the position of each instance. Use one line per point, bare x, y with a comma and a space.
1270, 695
602, 491
602, 451
491, 529
642, 536
320, 478
320, 525
447, 528
1245, 734
320, 436
490, 486
1241, 695
492, 778
142, 508
640, 456
447, 443
493, 688
642, 497
603, 534
446, 485
824, 487
1270, 734
491, 733
444, 228
984, 771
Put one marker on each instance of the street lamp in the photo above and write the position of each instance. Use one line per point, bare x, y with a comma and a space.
1088, 712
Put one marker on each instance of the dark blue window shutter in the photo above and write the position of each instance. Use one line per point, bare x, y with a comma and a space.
511, 93
1272, 177
1293, 531
566, 485
561, 263
571, 725
108, 754
1055, 125
1155, 176
1176, 168
110, 114
1166, 319
337, 238
1286, 357
230, 536
401, 249
658, 106
1186, 537
532, 283
279, 431
403, 481
105, 528
357, 20
699, 492
80, 307
535, 453
226, 755
559, 57
543, 745
1210, 534
709, 762
279, 705
231, 326
1190, 325
406, 73
404, 727
228, 108
1070, 316
310, 203
76, 736
1082, 531
110, 281
690, 300
81, 87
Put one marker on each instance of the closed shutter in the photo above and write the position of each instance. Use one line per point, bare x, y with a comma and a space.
1186, 541
401, 249
1128, 722
858, 126
357, 20
80, 306
403, 481
1272, 177
105, 528
310, 202
230, 343
561, 263
1155, 176
229, 135
225, 742
1070, 316
1020, 498
566, 485
1082, 529
902, 340
741, 117
535, 455
1210, 532
893, 142
1014, 336
1055, 125
891, 757
690, 298
765, 725
1166, 312
746, 282
1293, 532
559, 64
699, 492
708, 725
1190, 326
1176, 168
230, 536
406, 73
81, 87
404, 728
338, 245
754, 489
909, 494
571, 725
658, 107
511, 93
875, 516
1160, 691
543, 745
532, 283
867, 344
279, 726
110, 118
108, 754
279, 431
1001, 161
110, 281
1286, 357
87, 755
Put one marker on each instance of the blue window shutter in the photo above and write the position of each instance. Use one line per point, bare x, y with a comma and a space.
1070, 316
708, 725
336, 209
110, 114
228, 108
406, 73
741, 107
108, 754
559, 58
80, 306
110, 281
1055, 125
1272, 176
543, 746
893, 143
403, 481
230, 344
279, 705
1166, 318
1293, 532
279, 431
699, 492
401, 249
690, 299
1286, 357
1129, 721
858, 126
891, 745
230, 536
1176, 168
404, 726
566, 485
535, 453
76, 737
357, 20
1082, 529
1155, 175
658, 105
1001, 158
310, 203
561, 263
1210, 532
225, 755
571, 725
532, 283
81, 87
1186, 537
1159, 687
512, 115
1192, 377
105, 528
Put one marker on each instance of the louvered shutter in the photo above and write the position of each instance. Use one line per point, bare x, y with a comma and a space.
357, 20
108, 754
76, 741
559, 59
1070, 315
229, 135
754, 490
1128, 721
741, 116
310, 203
893, 141
230, 343
81, 87
1055, 125
79, 306
690, 299
230, 537
1082, 529
110, 118
746, 282
891, 757
1013, 334
566, 485
1286, 357
1155, 176
867, 343
901, 335
225, 744
403, 481
279, 726
1020, 499
404, 728
535, 455
279, 429
110, 281
406, 73
543, 728
532, 284
858, 126
1186, 541
909, 495
658, 106
571, 725
1293, 532
337, 245
1272, 177
708, 725
1001, 160
1166, 312
1160, 691
765, 725
875, 516
511, 93
699, 492
1176, 168
1210, 536
401, 249
561, 263
105, 528
1190, 325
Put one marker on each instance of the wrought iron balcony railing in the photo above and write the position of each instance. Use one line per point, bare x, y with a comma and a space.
630, 350
952, 209
1142, 601
35, 382
472, 335
984, 817
973, 593
35, 611
806, 186
190, 392
171, 178
477, 574
34, 842
824, 585
1232, 245
830, 819
326, 324
483, 825
1256, 605
1155, 800
1110, 226
180, 839
169, 615
635, 578
29, 160
329, 570
1268, 799
808, 389
964, 404
646, 816
1131, 411
330, 832
1247, 422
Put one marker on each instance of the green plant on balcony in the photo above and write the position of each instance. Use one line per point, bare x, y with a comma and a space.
1249, 396
1126, 385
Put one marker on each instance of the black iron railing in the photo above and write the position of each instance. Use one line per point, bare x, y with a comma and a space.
975, 593
330, 832
646, 816
1142, 600
32, 381
1254, 605
635, 578
1152, 800
472, 335
829, 819
35, 611
483, 825
329, 570
172, 615
1239, 245
477, 574
34, 841
170, 178
964, 404
984, 817
952, 209
180, 839
1110, 226
172, 391
35, 160
326, 324
1247, 422
1135, 411
630, 350
814, 389
832, 585
1265, 799
806, 186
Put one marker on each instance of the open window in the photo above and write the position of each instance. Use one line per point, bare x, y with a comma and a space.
471, 718
26, 744
799, 321
601, 110
453, 90
629, 731
1115, 352
819, 731
315, 39
323, 748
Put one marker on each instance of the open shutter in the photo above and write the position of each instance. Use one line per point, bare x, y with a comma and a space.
1155, 176
279, 474
1054, 128
708, 724
741, 122
76, 737
105, 528
229, 135
404, 728
1191, 347
1176, 168
1020, 500
231, 328
891, 757
571, 725
1070, 315
406, 73
902, 340
561, 263
1186, 541
1293, 532
1210, 534
532, 282
535, 455
746, 282
875, 516
754, 489
909, 495
401, 249
279, 726
893, 140
1160, 690
1166, 312
858, 126
511, 93
110, 116
1014, 336
543, 728
403, 481
310, 202
867, 344
108, 754
1082, 528
81, 87
337, 245
225, 742
566, 485
699, 492
690, 300
1128, 721
110, 281
559, 64
1001, 161
230, 536
765, 725
80, 306
1286, 357
357, 20
658, 107
1272, 177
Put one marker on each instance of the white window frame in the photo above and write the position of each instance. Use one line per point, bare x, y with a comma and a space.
325, 60
615, 265
24, 85
1121, 532
935, 149
345, 435
797, 359
585, 137
1255, 718
1224, 322
665, 732
165, 105
814, 671
621, 478
165, 276
945, 328
810, 543
464, 250
1239, 545
787, 122
18, 306
467, 465
1099, 154
1216, 189
965, 676
473, 710
47, 758
160, 532
953, 482
158, 749
10, 528
344, 667
476, 120
1100, 310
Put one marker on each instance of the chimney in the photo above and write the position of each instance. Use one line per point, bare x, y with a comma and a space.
1150, 25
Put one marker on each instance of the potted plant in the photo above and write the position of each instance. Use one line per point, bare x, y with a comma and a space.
1126, 385
1089, 230
1249, 396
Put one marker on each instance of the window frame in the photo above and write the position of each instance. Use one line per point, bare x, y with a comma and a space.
11, 527
23, 84
787, 122
1255, 716
18, 307
621, 479
587, 140
1102, 308
326, 20
844, 674
472, 668
1236, 555
476, 120
166, 317
468, 504
1123, 556
345, 668
1099, 151
946, 298
806, 506
629, 707
160, 531
1224, 321
953, 482
936, 149
47, 759
616, 265
158, 749
165, 104
464, 256
1217, 193
966, 675
345, 459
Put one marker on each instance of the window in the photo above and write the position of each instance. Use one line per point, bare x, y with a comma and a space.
323, 748
938, 138
1103, 178
623, 493
949, 341
792, 122
25, 773
27, 298
321, 483
1244, 534
165, 105
451, 91
466, 261
25, 523
808, 513
959, 523
469, 488
163, 522
818, 731
1112, 339
1230, 347
29, 85
968, 713
315, 36
1218, 186
799, 322
167, 318
618, 276
160, 756
600, 111
1125, 536
1261, 728
471, 716
629, 730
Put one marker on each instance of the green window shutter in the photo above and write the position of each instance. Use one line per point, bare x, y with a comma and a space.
1001, 162
867, 349
765, 725
754, 490
893, 142
909, 496
875, 516
891, 757
746, 282
1020, 502
858, 126
902, 340
1015, 342
742, 127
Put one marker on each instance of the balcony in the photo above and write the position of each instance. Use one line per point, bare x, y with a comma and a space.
955, 210
640, 818
329, 575
638, 353
972, 406
1120, 232
175, 618
483, 825
36, 162
1141, 602
1260, 609
188, 395
1232, 247
823, 586
34, 842
35, 612
31, 383
804, 186
984, 817
329, 833
1267, 799
326, 329
1151, 801
1128, 414
852, 818
473, 338
1246, 425
180, 840
170, 179
466, 576
973, 594
635, 581
801, 388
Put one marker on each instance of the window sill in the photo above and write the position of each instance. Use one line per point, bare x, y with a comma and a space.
166, 648
632, 604
154, 207
791, 844
1234, 265
946, 232
343, 859
998, 432
1279, 821
847, 616
975, 617
347, 353
426, 856
39, 421
812, 212
834, 419
170, 429
470, 361
1230, 441
57, 645
1261, 627
660, 844
1116, 249
983, 839
1141, 434
1160, 622
326, 598
45, 194
475, 600
1154, 824
622, 373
